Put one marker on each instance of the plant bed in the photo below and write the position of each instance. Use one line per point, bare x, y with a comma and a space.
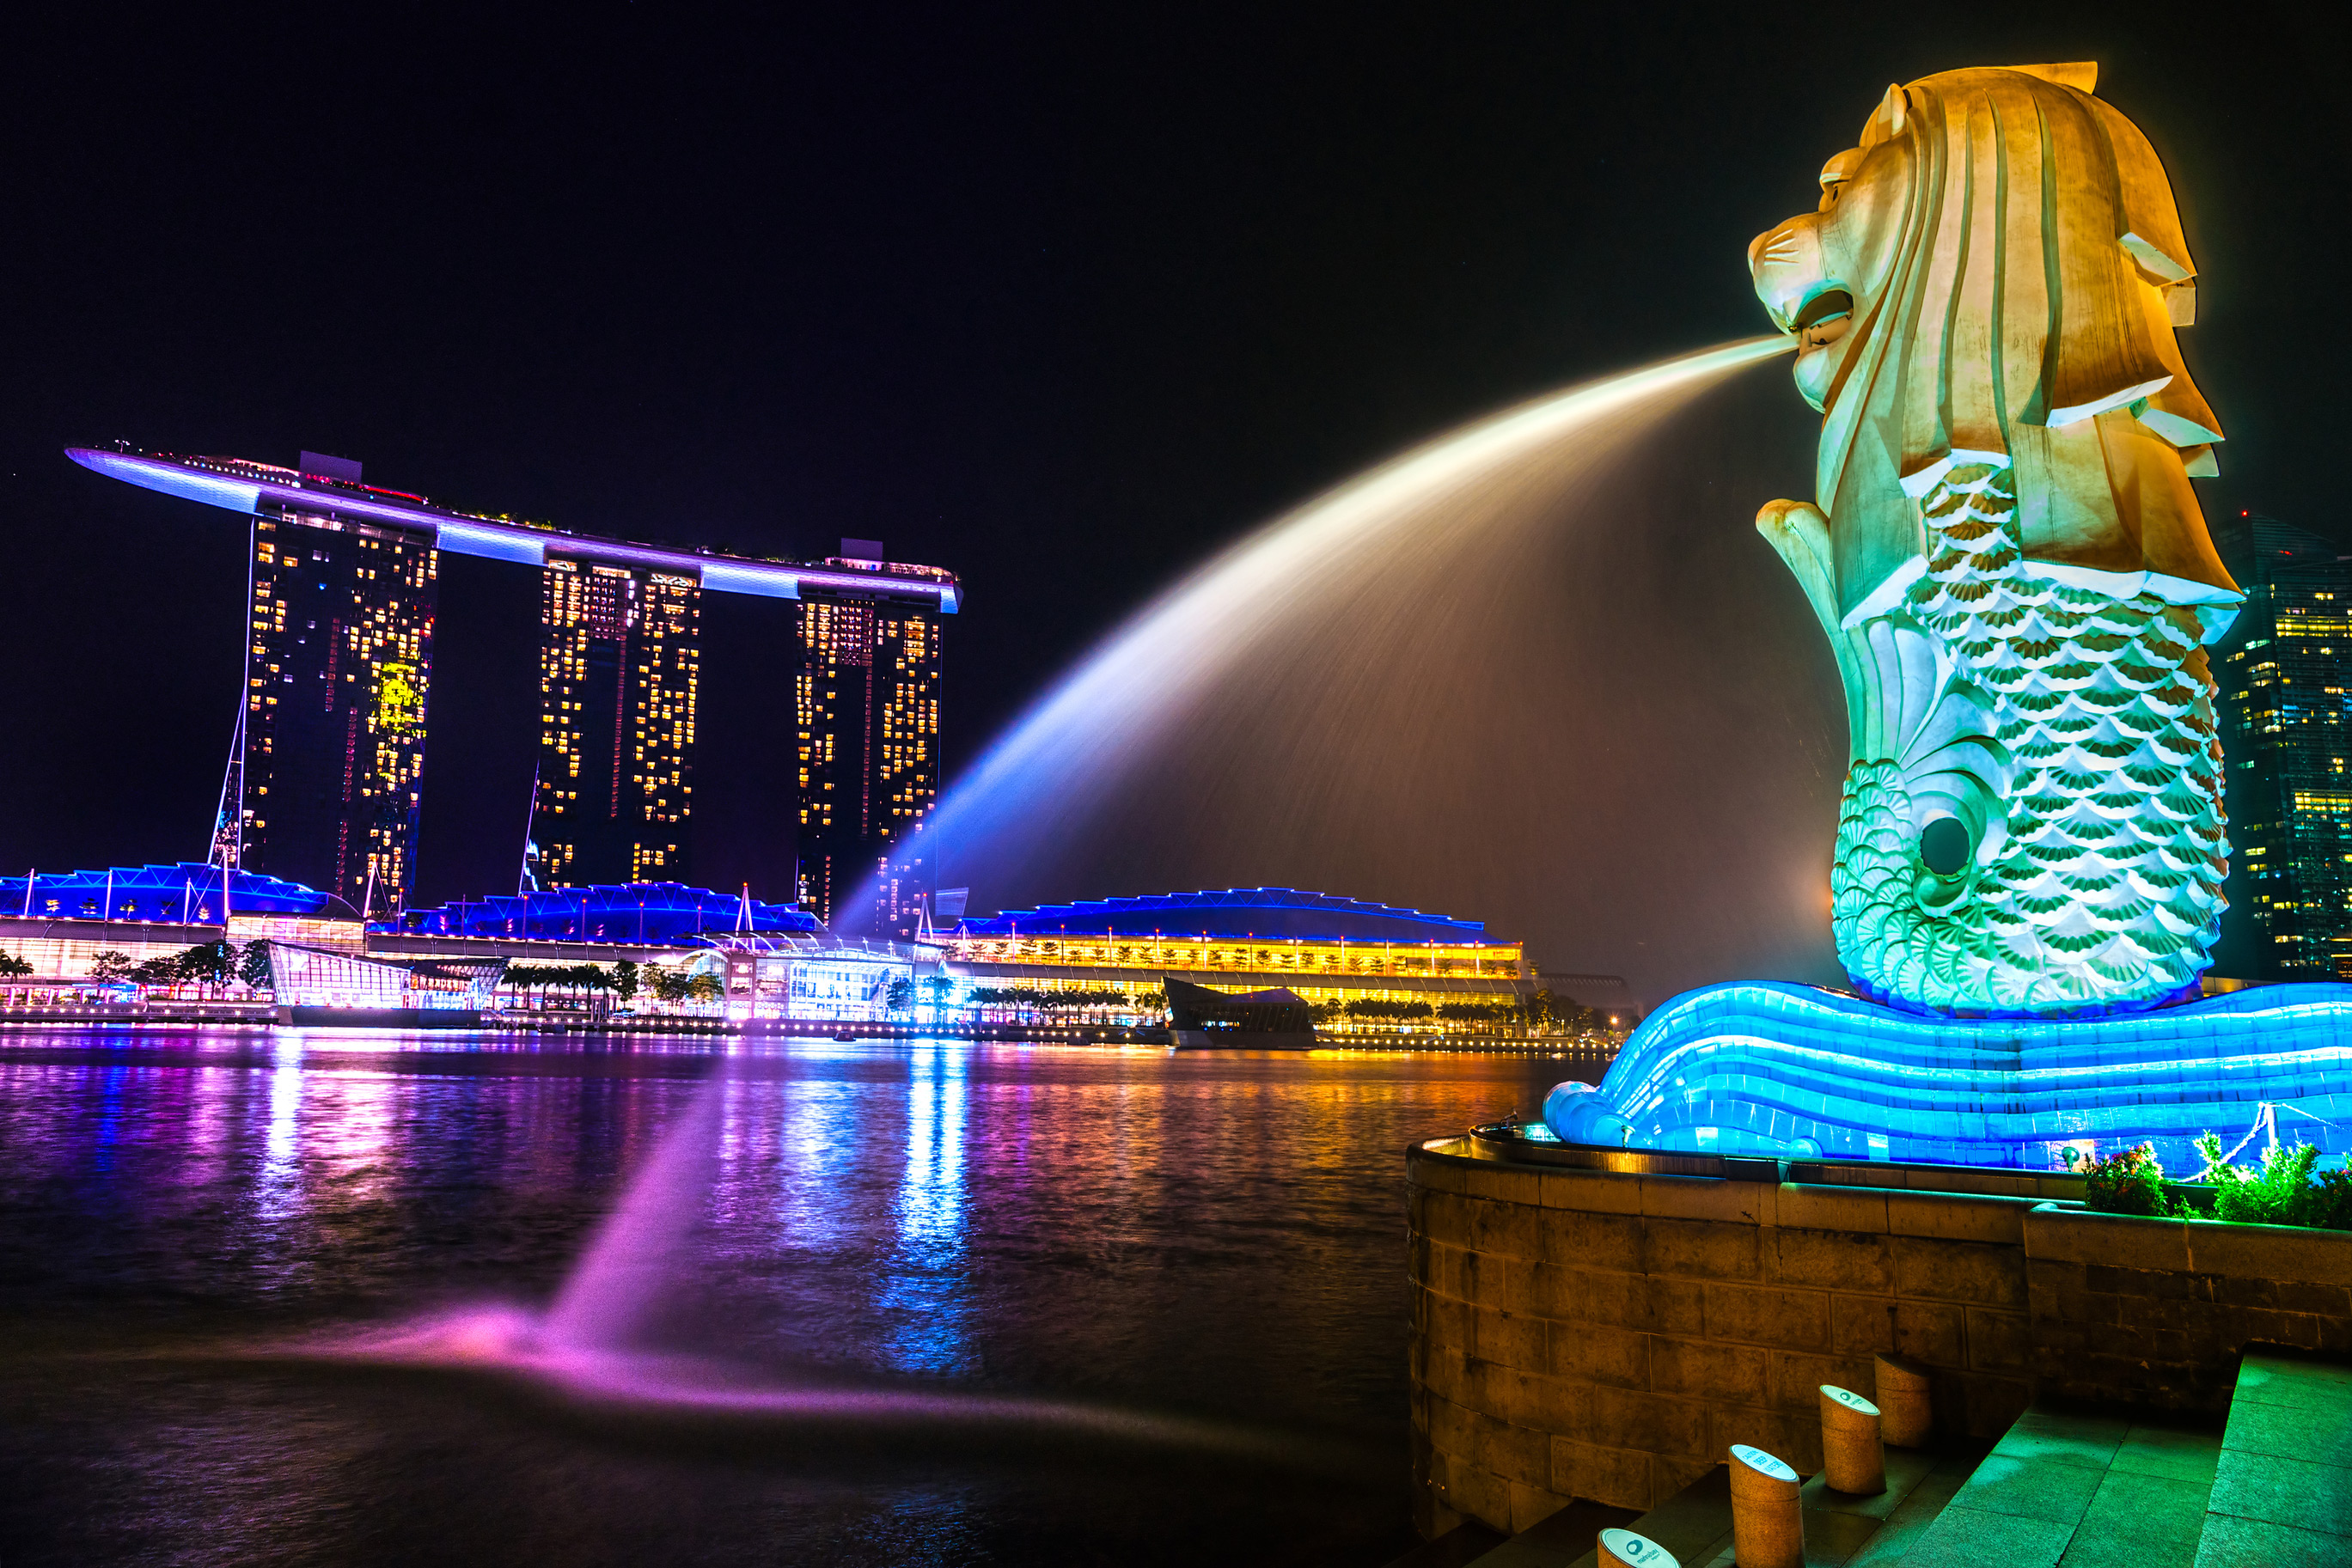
2286, 1190
2193, 1244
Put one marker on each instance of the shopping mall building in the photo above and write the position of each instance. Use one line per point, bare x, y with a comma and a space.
1329, 949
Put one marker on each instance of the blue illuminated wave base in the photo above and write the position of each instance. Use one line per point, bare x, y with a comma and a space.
1772, 1069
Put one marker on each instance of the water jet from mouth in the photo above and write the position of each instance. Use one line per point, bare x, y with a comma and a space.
1341, 700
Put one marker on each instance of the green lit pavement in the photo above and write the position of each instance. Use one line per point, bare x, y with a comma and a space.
2282, 1496
2061, 1489
2079, 1489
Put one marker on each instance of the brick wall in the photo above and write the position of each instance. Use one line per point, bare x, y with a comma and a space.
1605, 1335
2157, 1311
1608, 1334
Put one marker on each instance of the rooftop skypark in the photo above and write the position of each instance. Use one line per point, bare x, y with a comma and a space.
239, 484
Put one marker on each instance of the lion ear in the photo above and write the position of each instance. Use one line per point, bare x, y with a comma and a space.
2149, 215
1887, 120
2083, 76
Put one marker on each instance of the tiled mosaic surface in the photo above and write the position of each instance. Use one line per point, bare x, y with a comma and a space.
1768, 1068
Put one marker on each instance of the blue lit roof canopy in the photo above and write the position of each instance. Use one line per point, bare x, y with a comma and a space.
1281, 912
185, 891
641, 914
240, 484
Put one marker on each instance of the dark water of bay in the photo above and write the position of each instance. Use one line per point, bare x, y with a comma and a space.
1214, 1235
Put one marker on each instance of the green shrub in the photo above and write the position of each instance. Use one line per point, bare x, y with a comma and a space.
2268, 1196
2283, 1192
2330, 1203
2128, 1181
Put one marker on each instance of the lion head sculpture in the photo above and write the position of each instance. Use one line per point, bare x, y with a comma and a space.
2007, 553
1995, 274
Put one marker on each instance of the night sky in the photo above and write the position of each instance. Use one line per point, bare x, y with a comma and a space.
1063, 302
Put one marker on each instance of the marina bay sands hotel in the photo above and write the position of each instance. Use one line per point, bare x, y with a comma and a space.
327, 769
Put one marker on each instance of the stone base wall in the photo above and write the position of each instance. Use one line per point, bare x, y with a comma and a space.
1608, 1333
2157, 1311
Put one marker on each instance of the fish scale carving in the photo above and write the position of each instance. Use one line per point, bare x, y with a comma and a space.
2097, 876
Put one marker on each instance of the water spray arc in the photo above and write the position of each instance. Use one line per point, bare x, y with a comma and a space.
1073, 749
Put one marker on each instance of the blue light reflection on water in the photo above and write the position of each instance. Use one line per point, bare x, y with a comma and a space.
819, 1118
925, 1291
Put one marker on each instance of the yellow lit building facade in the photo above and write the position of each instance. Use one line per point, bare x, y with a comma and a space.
620, 677
332, 754
1368, 967
866, 699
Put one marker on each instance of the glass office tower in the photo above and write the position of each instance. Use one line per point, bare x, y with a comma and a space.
339, 663
2283, 684
619, 675
868, 699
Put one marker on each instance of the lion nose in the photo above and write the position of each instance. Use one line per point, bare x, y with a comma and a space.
1784, 262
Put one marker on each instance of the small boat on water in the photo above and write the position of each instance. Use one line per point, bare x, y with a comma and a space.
1202, 1019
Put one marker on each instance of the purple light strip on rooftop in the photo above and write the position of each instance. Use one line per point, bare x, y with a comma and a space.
463, 535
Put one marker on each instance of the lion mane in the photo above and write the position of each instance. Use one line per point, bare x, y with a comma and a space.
2029, 271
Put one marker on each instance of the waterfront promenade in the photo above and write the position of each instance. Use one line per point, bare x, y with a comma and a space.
160, 1014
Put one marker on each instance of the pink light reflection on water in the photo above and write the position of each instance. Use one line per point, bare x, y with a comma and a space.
642, 1246
514, 1345
589, 1350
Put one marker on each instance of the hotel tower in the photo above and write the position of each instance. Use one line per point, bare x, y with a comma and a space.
2286, 732
618, 678
326, 775
869, 740
332, 742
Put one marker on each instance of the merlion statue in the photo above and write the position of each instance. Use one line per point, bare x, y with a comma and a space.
2006, 554
2018, 586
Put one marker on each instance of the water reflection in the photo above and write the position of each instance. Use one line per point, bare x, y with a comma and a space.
925, 1293
109, 1120
278, 1187
1214, 1236
818, 1123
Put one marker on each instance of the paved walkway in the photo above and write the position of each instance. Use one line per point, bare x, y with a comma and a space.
2282, 1494
2063, 1488
2077, 1491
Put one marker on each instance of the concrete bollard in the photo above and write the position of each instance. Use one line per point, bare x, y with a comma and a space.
1853, 1461
1768, 1524
1624, 1549
1907, 1415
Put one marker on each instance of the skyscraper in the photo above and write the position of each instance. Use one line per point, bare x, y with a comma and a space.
326, 773
869, 740
2283, 731
340, 665
619, 675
